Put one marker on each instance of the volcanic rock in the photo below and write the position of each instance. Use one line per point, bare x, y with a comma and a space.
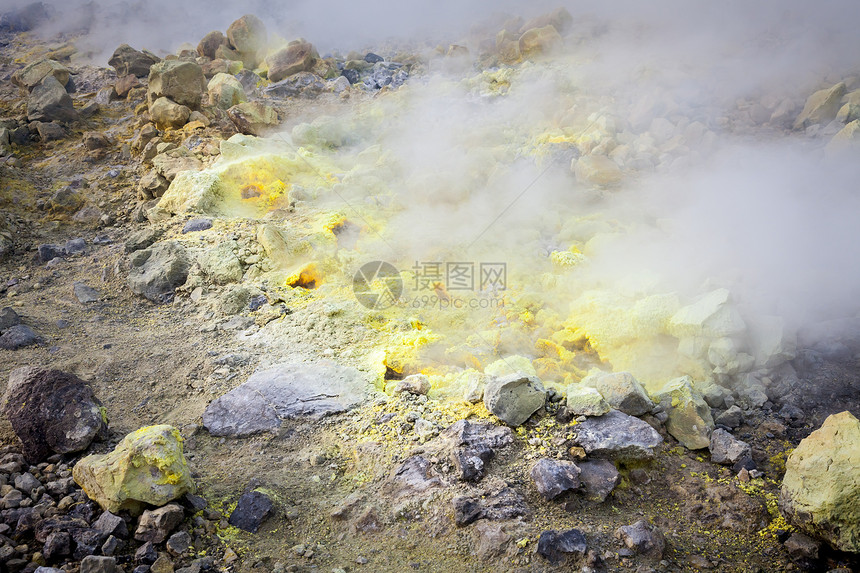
643, 538
296, 57
210, 44
585, 401
281, 392
820, 491
504, 503
514, 398
32, 75
253, 118
52, 412
539, 41
621, 391
248, 37
225, 91
156, 271
821, 107
556, 547
690, 420
598, 478
180, 81
18, 336
251, 511
596, 170
49, 102
156, 524
167, 114
147, 467
98, 564
128, 61
618, 436
554, 477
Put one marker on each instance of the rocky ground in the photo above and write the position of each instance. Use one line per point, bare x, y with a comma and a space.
209, 390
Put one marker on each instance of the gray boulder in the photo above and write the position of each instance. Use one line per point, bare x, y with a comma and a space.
643, 538
282, 392
49, 102
821, 107
180, 81
128, 61
19, 336
52, 412
618, 436
726, 449
621, 391
554, 477
157, 271
514, 398
598, 478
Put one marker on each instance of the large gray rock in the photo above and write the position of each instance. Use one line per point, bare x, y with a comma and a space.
248, 37
514, 398
128, 61
157, 271
618, 436
19, 336
49, 102
181, 81
598, 478
32, 75
554, 477
52, 412
167, 114
690, 421
643, 538
296, 57
726, 449
621, 391
585, 401
282, 392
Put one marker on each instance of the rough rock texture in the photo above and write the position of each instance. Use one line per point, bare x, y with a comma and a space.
618, 436
126, 60
539, 41
821, 488
514, 398
251, 511
469, 446
726, 449
225, 91
32, 75
253, 118
557, 546
49, 102
821, 107
181, 81
52, 411
248, 37
18, 336
167, 114
156, 524
621, 391
598, 478
296, 57
690, 420
281, 392
503, 503
147, 467
585, 401
156, 271
711, 316
210, 43
643, 538
554, 477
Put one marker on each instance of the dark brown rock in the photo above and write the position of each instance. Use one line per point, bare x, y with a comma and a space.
126, 60
296, 57
210, 44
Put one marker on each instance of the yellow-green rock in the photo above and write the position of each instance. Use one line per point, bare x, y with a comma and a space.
690, 420
147, 467
821, 488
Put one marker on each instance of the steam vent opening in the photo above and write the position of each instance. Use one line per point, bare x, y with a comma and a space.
471, 287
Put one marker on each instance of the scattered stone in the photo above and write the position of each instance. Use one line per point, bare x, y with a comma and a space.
146, 553
180, 81
726, 449
469, 446
731, 418
49, 102
514, 398
179, 543
86, 294
210, 44
225, 91
32, 75
157, 271
155, 525
162, 565
147, 467
27, 482
296, 57
57, 545
621, 391
585, 401
8, 318
248, 37
196, 225
111, 524
554, 477
417, 384
52, 411
643, 538
618, 436
18, 336
715, 395
821, 107
125, 84
282, 392
557, 547
151, 186
690, 420
253, 118
251, 511
128, 61
142, 239
220, 265
820, 492
598, 478
96, 564
802, 547
167, 114
504, 503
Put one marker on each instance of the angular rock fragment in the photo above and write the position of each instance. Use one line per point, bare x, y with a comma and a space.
128, 61
621, 391
598, 478
643, 538
156, 524
555, 477
251, 511
618, 436
559, 546
690, 420
158, 270
514, 398
504, 503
